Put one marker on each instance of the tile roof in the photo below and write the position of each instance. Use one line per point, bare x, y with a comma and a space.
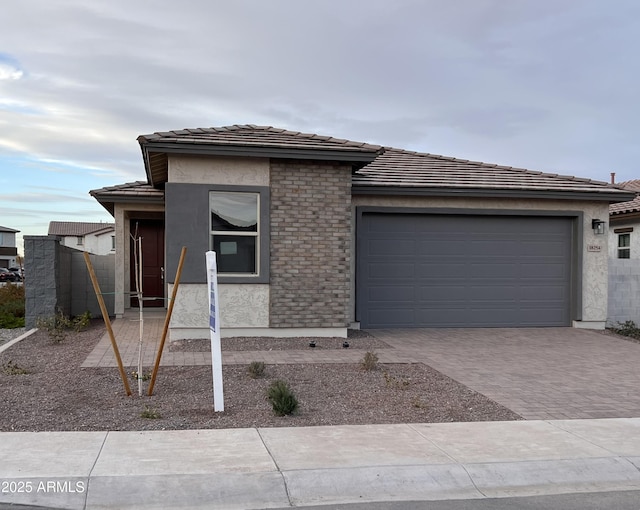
77, 228
397, 168
630, 206
137, 191
249, 135
129, 189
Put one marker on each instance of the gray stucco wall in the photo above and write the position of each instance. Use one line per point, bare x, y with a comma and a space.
57, 279
187, 223
624, 290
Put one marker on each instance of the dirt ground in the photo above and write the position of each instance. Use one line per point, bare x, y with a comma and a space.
45, 389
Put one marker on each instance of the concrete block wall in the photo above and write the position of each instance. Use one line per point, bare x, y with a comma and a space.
624, 291
83, 297
310, 251
55, 280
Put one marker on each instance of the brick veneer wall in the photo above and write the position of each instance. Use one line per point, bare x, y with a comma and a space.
310, 216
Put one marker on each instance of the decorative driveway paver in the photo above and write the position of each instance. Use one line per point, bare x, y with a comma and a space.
539, 373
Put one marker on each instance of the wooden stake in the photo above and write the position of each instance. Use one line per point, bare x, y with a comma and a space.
107, 321
167, 320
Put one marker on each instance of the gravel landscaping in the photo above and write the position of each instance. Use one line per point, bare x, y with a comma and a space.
45, 389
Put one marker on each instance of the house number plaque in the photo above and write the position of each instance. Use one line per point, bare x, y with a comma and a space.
594, 247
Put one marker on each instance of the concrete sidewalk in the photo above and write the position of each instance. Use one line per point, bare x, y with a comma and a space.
280, 467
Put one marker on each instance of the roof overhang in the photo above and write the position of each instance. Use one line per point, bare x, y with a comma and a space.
108, 200
155, 155
606, 195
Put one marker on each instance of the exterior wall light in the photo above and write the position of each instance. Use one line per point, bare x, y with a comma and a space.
597, 226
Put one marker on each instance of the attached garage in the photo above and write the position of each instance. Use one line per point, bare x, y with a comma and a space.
465, 270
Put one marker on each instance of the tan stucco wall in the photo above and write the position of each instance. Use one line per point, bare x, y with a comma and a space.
594, 264
219, 170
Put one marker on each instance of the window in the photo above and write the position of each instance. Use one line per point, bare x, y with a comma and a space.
624, 246
79, 240
235, 232
113, 243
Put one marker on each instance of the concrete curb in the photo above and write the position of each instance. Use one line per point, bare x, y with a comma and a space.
16, 340
281, 467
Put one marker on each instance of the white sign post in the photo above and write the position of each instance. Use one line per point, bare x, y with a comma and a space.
214, 329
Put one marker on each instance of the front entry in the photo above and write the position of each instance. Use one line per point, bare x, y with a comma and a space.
152, 234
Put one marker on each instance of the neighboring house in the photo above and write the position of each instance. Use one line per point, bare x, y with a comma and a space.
315, 234
8, 249
98, 238
624, 258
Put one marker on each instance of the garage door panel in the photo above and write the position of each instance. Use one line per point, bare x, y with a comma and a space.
455, 271
393, 295
391, 270
390, 317
390, 246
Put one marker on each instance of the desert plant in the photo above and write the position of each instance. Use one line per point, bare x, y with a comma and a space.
282, 399
150, 413
56, 326
144, 377
370, 361
11, 306
256, 369
80, 322
395, 382
12, 368
627, 328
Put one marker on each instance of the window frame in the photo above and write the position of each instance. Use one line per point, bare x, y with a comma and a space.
262, 234
622, 248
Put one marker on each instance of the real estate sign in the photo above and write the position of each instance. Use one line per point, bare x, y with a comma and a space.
214, 329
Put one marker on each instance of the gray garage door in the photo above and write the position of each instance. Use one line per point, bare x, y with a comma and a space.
418, 270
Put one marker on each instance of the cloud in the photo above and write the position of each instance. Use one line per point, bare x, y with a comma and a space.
9, 68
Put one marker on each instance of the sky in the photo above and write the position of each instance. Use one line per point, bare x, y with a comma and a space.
548, 85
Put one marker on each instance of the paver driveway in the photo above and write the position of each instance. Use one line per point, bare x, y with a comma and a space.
540, 373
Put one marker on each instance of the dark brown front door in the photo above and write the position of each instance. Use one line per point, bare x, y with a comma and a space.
152, 234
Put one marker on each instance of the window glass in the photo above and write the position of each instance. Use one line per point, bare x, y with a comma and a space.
235, 231
624, 246
235, 254
234, 211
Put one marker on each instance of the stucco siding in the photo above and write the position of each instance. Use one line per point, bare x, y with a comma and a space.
219, 170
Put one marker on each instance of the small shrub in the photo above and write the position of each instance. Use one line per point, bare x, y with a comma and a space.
256, 369
370, 361
419, 404
150, 413
12, 368
143, 377
56, 326
627, 328
282, 399
396, 382
80, 322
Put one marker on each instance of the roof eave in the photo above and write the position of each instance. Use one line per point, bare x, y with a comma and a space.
357, 157
109, 200
601, 196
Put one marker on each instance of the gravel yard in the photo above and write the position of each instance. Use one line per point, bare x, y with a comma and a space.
56, 394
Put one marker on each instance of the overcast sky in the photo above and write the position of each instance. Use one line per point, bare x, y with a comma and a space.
548, 85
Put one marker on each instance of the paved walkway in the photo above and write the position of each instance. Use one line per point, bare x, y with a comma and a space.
539, 373
302, 466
